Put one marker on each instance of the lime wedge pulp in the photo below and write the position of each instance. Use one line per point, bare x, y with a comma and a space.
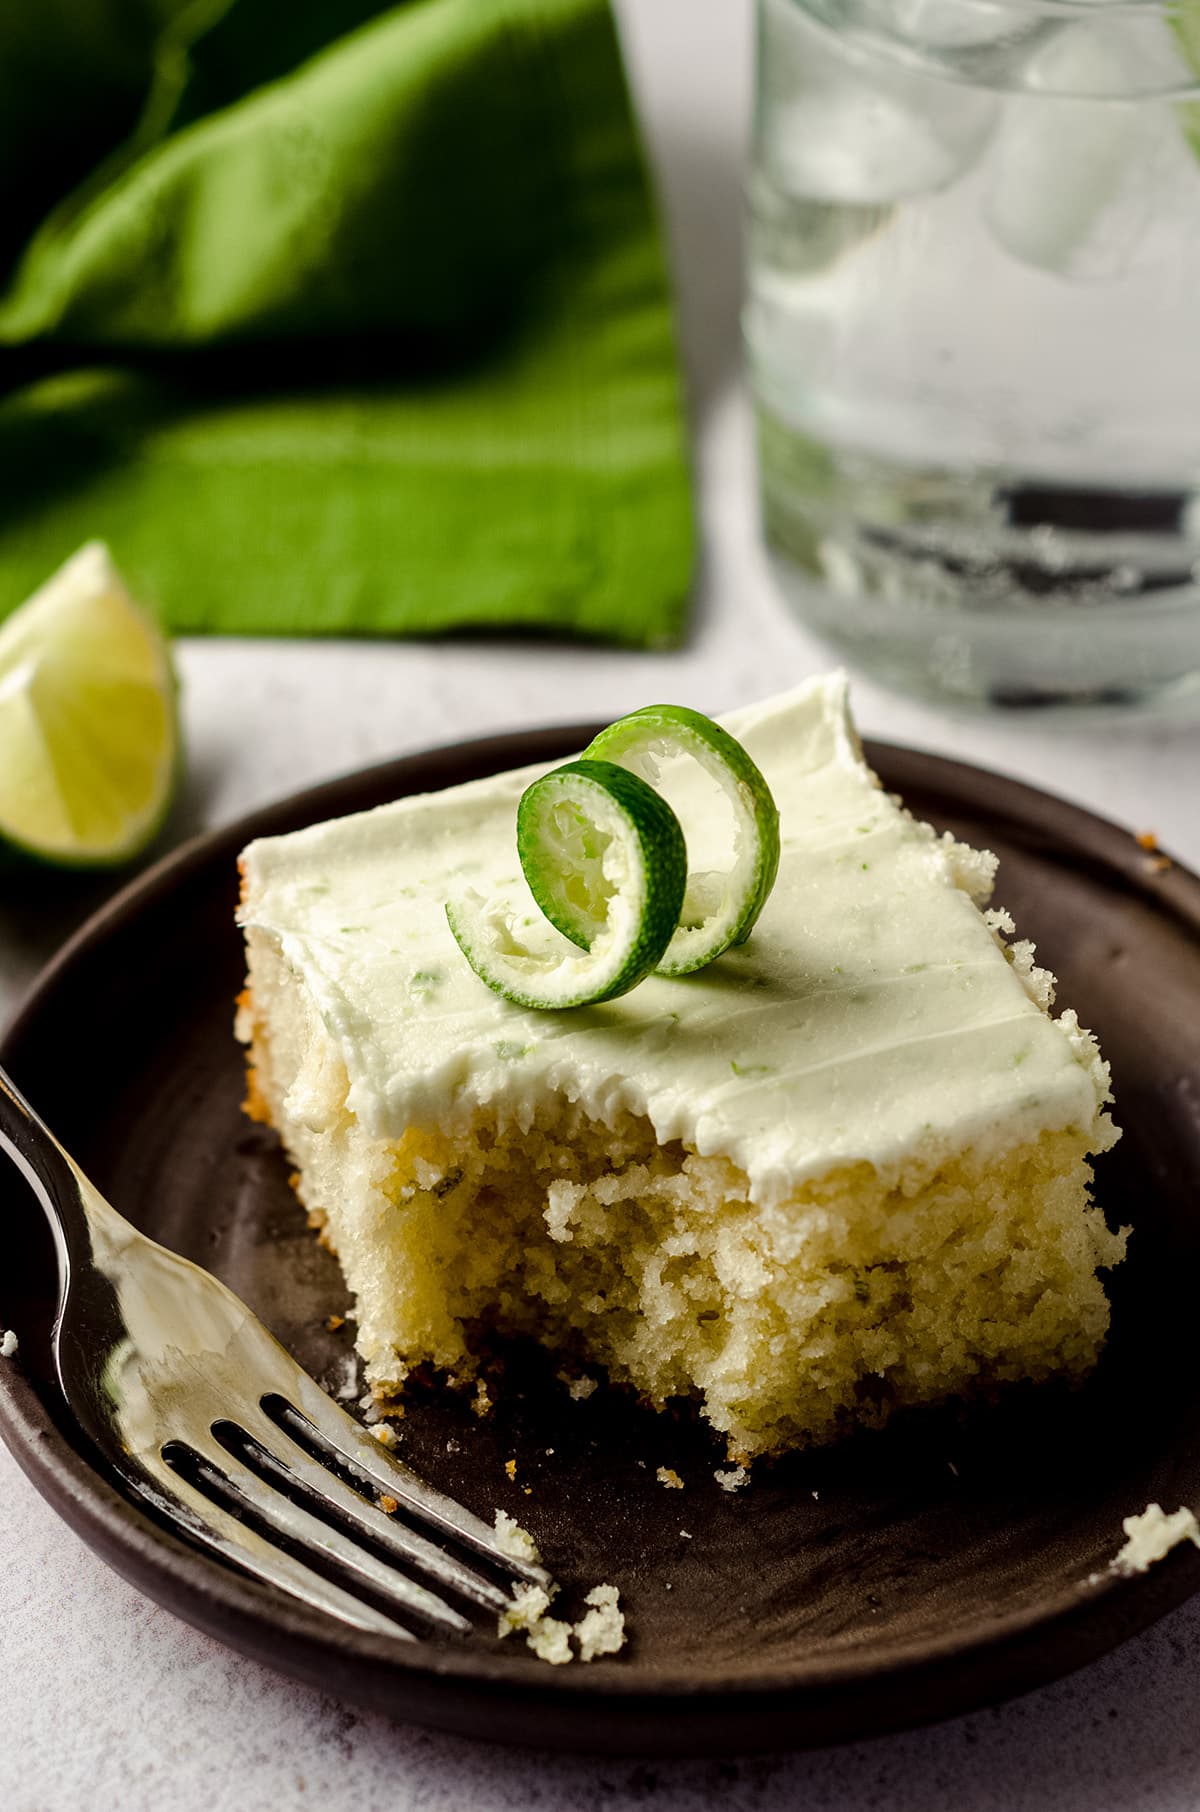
88, 732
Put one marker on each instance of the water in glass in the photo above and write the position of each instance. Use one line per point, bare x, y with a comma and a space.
973, 330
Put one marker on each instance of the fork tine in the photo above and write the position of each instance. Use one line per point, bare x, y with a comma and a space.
183, 1505
289, 1520
407, 1547
385, 1473
152, 1354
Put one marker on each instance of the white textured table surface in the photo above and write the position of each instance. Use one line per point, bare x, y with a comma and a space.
107, 1700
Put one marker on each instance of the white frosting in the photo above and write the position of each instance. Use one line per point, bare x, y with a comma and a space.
873, 1014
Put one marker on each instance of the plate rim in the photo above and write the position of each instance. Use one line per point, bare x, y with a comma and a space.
240, 1612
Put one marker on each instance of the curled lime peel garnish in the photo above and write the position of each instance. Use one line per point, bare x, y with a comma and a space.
720, 908
606, 852
605, 859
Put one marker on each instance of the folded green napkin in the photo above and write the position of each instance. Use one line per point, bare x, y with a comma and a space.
337, 317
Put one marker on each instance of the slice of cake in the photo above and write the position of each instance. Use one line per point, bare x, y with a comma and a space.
843, 1168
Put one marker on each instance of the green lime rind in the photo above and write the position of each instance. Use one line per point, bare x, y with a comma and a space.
719, 910
622, 903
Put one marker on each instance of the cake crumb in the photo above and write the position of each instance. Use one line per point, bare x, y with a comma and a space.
514, 1541
348, 1387
481, 1403
1156, 863
601, 1631
510, 1466
389, 1505
387, 1437
8, 1344
529, 1604
579, 1388
732, 1480
548, 1637
385, 1398
334, 1322
686, 1534
550, 1641
1152, 1535
666, 1475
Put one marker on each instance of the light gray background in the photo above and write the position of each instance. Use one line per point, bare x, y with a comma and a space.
107, 1700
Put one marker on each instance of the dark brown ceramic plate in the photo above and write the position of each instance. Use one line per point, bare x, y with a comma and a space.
901, 1578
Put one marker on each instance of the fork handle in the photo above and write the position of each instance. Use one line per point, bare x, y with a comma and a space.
57, 1184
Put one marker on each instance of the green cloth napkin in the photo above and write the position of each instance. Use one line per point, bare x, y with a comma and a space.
337, 317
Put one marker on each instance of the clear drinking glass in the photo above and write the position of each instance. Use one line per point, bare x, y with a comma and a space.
973, 330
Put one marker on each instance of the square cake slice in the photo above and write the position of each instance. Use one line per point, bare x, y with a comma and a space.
842, 1169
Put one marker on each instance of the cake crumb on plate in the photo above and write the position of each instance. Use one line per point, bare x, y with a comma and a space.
514, 1541
578, 1388
601, 1630
8, 1344
550, 1641
529, 1604
481, 1403
1152, 1535
732, 1480
667, 1475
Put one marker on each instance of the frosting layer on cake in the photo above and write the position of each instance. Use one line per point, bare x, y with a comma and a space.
874, 1016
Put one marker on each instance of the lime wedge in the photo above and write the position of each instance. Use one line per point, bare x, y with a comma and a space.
720, 906
88, 734
604, 852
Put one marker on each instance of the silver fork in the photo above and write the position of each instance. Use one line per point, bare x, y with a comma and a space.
207, 1419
